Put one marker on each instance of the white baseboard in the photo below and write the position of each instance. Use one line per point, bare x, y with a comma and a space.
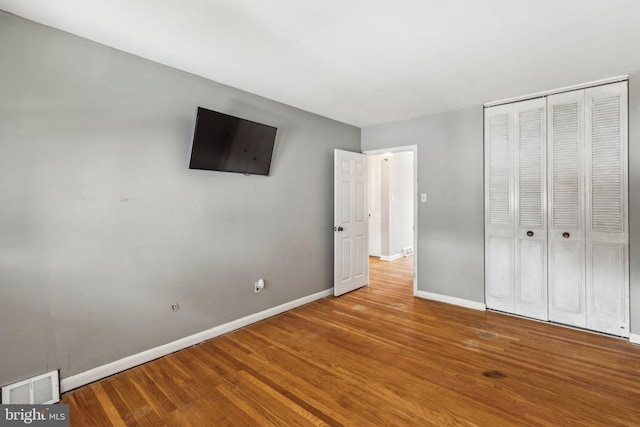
128, 362
452, 300
634, 338
392, 257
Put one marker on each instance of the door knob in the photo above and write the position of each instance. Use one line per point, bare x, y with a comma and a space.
566, 235
529, 233
340, 229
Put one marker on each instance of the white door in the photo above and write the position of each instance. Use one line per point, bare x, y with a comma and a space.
530, 216
499, 211
375, 206
607, 238
351, 251
588, 234
567, 297
516, 234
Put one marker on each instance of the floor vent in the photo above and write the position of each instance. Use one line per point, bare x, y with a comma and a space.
407, 251
43, 389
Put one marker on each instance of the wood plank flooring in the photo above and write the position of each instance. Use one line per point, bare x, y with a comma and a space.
378, 357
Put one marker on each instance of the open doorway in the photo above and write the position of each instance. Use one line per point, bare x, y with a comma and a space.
393, 214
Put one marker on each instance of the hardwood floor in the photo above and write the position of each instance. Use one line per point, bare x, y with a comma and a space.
376, 357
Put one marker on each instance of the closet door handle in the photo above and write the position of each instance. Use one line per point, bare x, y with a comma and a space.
566, 235
529, 233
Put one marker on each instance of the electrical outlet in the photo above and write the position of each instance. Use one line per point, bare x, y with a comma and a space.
259, 286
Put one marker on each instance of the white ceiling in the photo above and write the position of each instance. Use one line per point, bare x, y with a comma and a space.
366, 62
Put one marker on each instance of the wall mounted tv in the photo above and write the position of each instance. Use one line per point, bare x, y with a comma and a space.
230, 144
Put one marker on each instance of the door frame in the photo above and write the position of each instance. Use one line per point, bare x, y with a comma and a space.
414, 150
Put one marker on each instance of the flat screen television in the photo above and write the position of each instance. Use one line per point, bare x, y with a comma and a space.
230, 144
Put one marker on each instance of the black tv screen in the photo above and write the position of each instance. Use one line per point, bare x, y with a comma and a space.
230, 144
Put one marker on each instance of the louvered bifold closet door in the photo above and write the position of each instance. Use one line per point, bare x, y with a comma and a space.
565, 122
531, 219
499, 208
607, 238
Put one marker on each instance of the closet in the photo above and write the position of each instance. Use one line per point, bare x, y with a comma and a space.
556, 226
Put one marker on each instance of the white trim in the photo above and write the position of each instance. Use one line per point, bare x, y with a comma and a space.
558, 90
451, 300
416, 201
404, 148
634, 338
128, 362
561, 325
391, 258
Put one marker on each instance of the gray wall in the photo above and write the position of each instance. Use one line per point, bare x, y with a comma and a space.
450, 170
102, 224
